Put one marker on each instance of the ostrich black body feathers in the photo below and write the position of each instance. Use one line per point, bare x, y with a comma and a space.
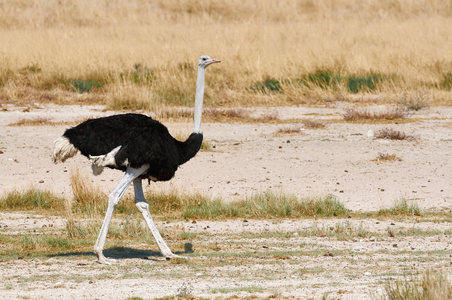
142, 140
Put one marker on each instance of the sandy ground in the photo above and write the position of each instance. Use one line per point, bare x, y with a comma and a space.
248, 158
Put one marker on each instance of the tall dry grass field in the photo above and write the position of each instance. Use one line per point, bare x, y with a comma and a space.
142, 54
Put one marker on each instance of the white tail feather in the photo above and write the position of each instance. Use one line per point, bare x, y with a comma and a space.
62, 150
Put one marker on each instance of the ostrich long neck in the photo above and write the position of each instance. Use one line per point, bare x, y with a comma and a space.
199, 99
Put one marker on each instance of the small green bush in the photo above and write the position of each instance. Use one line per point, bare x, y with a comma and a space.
84, 86
447, 82
321, 78
139, 74
327, 79
356, 84
268, 85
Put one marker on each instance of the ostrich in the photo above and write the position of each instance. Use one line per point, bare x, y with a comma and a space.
138, 145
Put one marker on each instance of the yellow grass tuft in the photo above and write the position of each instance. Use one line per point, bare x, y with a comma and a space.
381, 157
373, 116
86, 197
432, 284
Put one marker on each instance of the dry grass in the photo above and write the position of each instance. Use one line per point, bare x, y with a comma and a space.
290, 130
42, 121
403, 208
39, 121
374, 116
127, 66
31, 199
432, 284
237, 115
313, 124
392, 134
85, 194
382, 157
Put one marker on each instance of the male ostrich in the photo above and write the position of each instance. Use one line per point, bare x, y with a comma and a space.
139, 146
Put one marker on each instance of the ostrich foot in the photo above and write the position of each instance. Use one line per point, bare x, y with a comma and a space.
101, 259
172, 256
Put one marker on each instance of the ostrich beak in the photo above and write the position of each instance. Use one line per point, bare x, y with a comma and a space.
212, 61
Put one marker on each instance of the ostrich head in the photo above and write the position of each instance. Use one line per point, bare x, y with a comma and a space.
205, 60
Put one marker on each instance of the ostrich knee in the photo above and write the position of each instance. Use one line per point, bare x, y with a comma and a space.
142, 206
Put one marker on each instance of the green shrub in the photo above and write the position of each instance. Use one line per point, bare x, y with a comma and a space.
139, 74
268, 85
321, 78
447, 82
356, 84
84, 86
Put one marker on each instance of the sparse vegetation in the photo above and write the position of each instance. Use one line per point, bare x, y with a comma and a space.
392, 134
84, 86
313, 124
290, 130
85, 195
402, 207
381, 157
31, 199
41, 121
447, 82
366, 115
89, 200
268, 85
226, 115
414, 102
263, 251
343, 229
432, 284
266, 205
356, 84
321, 78
38, 121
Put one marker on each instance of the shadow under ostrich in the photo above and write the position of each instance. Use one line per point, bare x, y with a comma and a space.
138, 145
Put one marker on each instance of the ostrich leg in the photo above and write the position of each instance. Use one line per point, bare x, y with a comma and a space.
143, 207
113, 199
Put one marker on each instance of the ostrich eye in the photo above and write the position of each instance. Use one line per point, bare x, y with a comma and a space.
204, 59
